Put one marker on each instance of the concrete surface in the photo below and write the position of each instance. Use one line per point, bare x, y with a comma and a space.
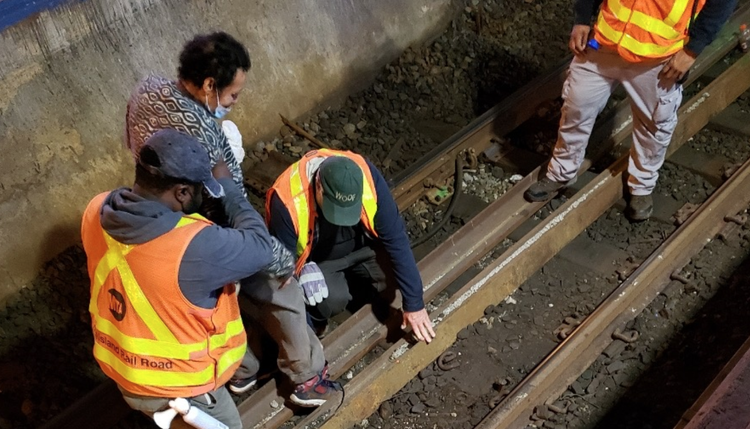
66, 73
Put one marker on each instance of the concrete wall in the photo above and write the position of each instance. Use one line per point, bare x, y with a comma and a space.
66, 74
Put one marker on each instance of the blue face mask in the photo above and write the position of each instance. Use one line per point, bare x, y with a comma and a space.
220, 111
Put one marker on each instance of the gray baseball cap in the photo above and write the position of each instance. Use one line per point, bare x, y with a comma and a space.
181, 156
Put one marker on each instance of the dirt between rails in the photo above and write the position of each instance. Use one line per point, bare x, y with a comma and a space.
686, 335
419, 100
489, 50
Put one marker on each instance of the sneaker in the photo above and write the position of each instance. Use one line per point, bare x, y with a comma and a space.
640, 207
545, 190
316, 391
242, 385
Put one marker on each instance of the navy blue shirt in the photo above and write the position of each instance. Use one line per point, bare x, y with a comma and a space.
333, 242
702, 32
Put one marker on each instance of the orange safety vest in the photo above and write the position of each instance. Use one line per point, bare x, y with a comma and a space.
645, 29
294, 191
147, 336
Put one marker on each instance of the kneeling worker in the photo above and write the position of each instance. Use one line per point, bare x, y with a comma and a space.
164, 309
334, 210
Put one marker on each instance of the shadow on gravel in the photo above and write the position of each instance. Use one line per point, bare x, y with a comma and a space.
696, 355
45, 344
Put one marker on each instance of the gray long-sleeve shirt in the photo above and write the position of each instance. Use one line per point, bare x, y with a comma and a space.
216, 255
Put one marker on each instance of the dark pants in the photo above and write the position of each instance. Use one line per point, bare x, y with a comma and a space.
354, 279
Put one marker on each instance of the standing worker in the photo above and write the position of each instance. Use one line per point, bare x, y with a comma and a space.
164, 307
648, 46
334, 210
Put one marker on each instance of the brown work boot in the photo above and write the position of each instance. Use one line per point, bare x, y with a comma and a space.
640, 207
545, 190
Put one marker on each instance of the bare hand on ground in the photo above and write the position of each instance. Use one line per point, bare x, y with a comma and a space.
420, 324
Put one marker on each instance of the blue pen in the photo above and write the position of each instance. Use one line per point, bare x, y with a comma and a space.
593, 44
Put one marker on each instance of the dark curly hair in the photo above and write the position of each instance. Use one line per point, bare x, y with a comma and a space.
217, 55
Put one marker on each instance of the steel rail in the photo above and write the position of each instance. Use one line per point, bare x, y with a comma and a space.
360, 333
704, 411
571, 358
401, 362
465, 247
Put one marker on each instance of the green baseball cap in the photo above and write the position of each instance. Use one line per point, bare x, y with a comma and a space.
341, 179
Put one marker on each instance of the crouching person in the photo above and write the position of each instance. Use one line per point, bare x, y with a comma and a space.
335, 211
164, 309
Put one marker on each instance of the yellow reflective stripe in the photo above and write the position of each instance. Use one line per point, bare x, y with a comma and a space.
142, 346
646, 22
153, 377
185, 221
138, 300
234, 327
678, 9
103, 268
635, 46
300, 203
369, 202
229, 358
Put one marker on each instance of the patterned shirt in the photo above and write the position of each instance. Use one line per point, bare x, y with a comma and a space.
157, 103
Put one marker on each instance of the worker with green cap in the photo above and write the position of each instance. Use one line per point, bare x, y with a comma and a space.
335, 211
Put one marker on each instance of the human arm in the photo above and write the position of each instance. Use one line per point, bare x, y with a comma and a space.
702, 32
584, 12
392, 234
217, 256
707, 24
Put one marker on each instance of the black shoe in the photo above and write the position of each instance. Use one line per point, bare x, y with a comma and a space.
545, 189
640, 207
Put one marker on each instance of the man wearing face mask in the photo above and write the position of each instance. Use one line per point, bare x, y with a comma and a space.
164, 309
212, 74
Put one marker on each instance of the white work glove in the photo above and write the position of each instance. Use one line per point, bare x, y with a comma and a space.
313, 284
235, 139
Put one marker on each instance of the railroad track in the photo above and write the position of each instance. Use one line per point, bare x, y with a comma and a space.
359, 334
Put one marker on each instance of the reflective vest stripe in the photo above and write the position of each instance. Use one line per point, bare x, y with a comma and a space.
635, 46
651, 24
170, 348
116, 252
142, 346
301, 204
230, 357
678, 9
369, 201
235, 327
152, 377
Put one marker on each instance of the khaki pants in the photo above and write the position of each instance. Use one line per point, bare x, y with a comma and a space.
218, 404
591, 80
279, 313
